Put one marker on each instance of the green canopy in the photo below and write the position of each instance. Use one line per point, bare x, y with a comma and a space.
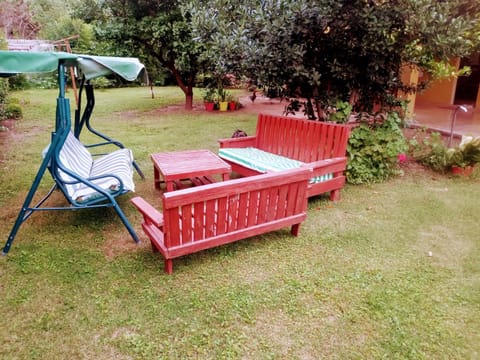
18, 62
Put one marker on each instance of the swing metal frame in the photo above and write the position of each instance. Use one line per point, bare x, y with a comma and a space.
90, 67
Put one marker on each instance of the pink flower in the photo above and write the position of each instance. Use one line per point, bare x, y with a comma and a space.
402, 158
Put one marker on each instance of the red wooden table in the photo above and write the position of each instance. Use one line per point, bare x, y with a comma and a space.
196, 165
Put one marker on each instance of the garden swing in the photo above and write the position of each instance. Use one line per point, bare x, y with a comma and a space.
87, 180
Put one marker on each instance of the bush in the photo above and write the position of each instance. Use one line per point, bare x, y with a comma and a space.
3, 97
44, 81
373, 150
432, 152
102, 83
19, 82
13, 110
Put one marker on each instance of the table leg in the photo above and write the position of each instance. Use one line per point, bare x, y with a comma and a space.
156, 177
169, 185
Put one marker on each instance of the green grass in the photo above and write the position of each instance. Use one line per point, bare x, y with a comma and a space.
357, 283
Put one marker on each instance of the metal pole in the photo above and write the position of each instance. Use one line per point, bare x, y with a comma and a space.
454, 118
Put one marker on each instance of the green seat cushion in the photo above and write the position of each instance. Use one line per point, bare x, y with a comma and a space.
263, 161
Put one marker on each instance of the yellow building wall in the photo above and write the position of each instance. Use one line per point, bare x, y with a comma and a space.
440, 92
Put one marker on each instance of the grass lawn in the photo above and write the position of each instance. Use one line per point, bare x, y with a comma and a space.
391, 271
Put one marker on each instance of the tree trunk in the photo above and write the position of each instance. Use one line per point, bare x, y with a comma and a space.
187, 87
189, 95
189, 101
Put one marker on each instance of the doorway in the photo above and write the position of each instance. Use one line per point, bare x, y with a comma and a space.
467, 88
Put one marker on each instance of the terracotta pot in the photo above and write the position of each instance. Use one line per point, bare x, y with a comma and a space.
463, 171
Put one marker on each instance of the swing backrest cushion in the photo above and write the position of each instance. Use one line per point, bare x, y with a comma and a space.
75, 157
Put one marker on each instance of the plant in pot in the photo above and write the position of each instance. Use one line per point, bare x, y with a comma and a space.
209, 99
465, 156
222, 99
232, 102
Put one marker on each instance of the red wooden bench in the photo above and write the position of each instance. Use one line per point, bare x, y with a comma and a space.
199, 218
282, 142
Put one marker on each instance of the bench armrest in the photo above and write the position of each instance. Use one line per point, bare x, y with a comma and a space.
239, 142
328, 166
150, 214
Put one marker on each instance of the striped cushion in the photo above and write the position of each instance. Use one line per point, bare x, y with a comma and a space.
263, 161
75, 157
119, 163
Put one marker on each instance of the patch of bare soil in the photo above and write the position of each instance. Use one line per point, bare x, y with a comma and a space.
6, 130
264, 105
261, 104
5, 127
119, 242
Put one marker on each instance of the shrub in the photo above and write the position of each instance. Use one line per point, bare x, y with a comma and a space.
102, 83
13, 110
373, 150
3, 97
44, 81
19, 82
432, 152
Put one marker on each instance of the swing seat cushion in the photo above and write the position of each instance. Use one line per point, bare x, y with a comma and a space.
99, 171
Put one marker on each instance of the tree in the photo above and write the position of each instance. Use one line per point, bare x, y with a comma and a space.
16, 20
158, 32
221, 27
350, 49
446, 29
56, 22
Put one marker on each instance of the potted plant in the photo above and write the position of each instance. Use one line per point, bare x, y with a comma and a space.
462, 159
222, 99
209, 99
232, 103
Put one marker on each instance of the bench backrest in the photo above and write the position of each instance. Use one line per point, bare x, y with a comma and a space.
299, 139
227, 211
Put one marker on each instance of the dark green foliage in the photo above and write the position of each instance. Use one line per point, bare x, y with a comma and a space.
466, 154
373, 150
330, 48
9, 107
18, 82
160, 34
3, 97
350, 50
